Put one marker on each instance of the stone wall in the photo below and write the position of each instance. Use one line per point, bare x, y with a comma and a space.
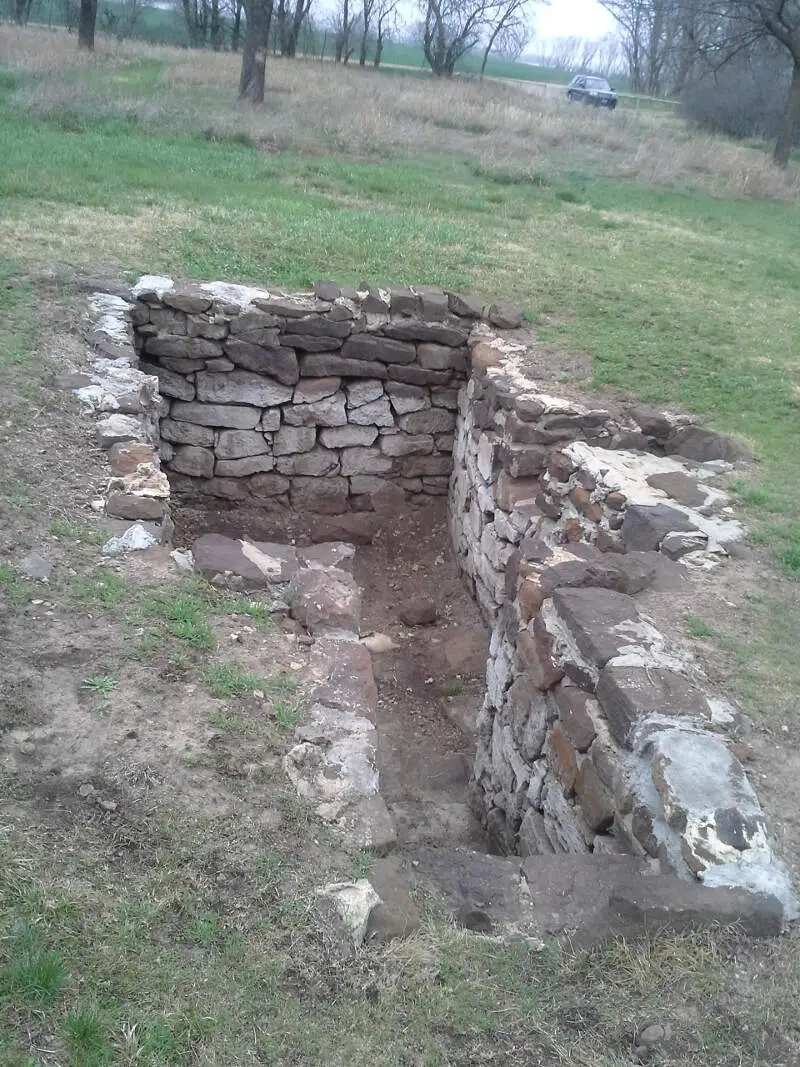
596, 734
326, 402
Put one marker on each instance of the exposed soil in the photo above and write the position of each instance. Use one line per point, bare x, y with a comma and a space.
430, 686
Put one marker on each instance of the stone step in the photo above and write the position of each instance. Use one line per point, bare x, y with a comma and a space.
584, 898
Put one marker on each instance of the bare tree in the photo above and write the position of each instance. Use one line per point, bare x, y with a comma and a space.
258, 14
509, 30
452, 28
87, 21
387, 15
344, 22
289, 18
22, 11
236, 28
196, 16
740, 25
366, 21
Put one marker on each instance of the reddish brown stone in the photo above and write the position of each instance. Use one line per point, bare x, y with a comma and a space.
530, 599
607, 542
579, 497
484, 356
125, 456
616, 501
560, 466
509, 491
597, 804
562, 757
573, 531
575, 719
535, 646
129, 506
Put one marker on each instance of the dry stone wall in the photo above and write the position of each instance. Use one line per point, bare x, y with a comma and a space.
596, 732
327, 402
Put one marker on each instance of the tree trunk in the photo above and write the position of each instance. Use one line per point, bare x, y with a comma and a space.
216, 26
86, 24
490, 46
254, 53
790, 120
236, 33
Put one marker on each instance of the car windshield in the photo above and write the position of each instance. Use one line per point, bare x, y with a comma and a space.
597, 83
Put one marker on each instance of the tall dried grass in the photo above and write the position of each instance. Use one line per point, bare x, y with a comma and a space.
318, 108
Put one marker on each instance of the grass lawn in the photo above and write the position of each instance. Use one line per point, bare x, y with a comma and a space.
193, 941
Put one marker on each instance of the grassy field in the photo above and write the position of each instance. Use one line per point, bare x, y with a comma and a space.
671, 259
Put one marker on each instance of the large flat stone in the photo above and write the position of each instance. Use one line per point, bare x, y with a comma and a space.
680, 487
702, 445
343, 673
275, 361
229, 415
241, 387
646, 525
473, 882
646, 907
235, 444
372, 348
327, 411
432, 332
257, 563
325, 602
325, 364
629, 694
628, 574
597, 620
193, 461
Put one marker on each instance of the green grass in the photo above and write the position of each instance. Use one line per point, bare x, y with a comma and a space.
101, 684
210, 951
698, 628
227, 680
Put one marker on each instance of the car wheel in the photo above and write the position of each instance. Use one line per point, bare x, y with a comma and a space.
570, 96
612, 105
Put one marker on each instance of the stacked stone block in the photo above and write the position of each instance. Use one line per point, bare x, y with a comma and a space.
595, 733
327, 402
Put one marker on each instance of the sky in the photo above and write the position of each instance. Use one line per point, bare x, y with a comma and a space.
571, 18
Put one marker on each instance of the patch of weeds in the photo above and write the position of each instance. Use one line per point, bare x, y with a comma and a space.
790, 560
204, 930
568, 196
238, 138
511, 177
758, 497
254, 610
230, 723
698, 628
34, 973
105, 587
69, 530
10, 586
84, 1034
101, 684
228, 680
361, 864
185, 615
16, 494
286, 714
452, 687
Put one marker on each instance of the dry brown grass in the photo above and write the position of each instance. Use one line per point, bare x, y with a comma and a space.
316, 107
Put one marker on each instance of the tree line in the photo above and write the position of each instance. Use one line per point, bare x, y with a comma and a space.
734, 63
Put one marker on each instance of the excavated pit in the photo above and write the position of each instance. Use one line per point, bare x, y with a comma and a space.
406, 424
429, 677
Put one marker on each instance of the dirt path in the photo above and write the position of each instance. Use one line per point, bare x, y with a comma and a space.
430, 686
